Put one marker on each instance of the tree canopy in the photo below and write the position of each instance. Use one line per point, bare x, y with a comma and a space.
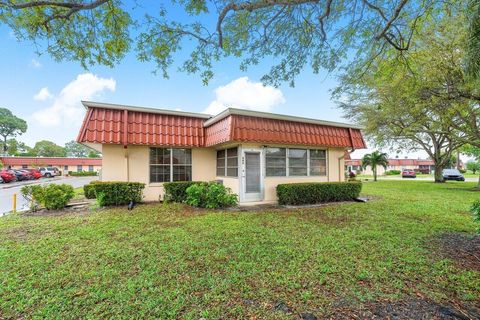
75, 149
292, 34
47, 148
10, 126
374, 160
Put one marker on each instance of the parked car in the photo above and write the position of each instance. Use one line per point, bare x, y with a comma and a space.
28, 173
407, 173
21, 176
49, 172
35, 173
452, 174
7, 176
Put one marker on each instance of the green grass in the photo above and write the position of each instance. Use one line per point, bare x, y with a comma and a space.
172, 262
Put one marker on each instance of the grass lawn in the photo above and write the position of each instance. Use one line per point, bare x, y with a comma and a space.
168, 261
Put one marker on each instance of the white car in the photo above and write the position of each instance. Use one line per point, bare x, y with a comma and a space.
49, 172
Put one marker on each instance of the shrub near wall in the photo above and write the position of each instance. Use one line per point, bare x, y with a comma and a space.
82, 173
89, 190
177, 191
110, 193
317, 192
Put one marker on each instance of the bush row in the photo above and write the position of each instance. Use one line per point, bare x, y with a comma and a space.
317, 192
82, 173
110, 193
392, 172
177, 191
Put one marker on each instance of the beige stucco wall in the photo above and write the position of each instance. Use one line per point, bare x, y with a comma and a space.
115, 159
333, 174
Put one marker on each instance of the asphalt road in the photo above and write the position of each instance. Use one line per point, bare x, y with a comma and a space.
8, 189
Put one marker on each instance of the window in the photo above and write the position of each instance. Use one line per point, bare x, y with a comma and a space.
297, 162
24, 166
170, 165
276, 162
79, 168
318, 162
65, 168
227, 162
90, 168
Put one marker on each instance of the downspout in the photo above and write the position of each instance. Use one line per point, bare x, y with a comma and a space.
125, 143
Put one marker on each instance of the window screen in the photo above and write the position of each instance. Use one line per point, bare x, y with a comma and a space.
297, 162
170, 165
318, 162
276, 162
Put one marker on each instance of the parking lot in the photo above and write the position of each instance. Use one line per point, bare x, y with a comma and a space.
7, 190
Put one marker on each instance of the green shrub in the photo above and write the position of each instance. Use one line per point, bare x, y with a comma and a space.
89, 190
117, 192
210, 195
177, 191
475, 209
462, 171
392, 172
82, 173
51, 196
317, 192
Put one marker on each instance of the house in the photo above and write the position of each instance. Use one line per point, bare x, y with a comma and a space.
63, 163
419, 165
250, 152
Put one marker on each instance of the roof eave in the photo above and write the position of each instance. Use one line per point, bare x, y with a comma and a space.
93, 104
276, 116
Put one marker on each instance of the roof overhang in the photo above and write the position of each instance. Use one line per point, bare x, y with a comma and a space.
92, 104
276, 116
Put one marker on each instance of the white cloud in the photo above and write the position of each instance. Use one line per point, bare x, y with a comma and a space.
35, 63
245, 94
66, 108
43, 95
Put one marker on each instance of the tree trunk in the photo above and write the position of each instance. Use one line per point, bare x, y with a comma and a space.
374, 173
439, 174
478, 183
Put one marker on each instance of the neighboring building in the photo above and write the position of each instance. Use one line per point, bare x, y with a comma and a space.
420, 165
63, 164
249, 152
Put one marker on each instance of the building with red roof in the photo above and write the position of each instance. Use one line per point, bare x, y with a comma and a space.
62, 163
250, 152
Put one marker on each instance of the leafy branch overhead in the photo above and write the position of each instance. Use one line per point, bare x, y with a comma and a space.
296, 33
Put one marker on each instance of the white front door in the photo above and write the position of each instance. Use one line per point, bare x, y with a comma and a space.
252, 177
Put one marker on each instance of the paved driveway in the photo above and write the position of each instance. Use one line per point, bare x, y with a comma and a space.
8, 189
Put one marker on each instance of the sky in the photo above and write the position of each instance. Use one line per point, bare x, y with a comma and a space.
48, 94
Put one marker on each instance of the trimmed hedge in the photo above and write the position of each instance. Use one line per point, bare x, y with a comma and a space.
82, 173
177, 191
317, 192
110, 193
89, 190
392, 172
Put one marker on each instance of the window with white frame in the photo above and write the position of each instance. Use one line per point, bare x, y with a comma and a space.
281, 162
297, 162
318, 162
276, 162
227, 162
170, 165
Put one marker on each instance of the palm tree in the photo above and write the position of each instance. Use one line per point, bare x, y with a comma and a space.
373, 160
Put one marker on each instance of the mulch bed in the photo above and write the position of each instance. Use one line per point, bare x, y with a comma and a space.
462, 248
410, 308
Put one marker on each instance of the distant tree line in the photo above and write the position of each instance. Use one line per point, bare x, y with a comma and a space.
11, 126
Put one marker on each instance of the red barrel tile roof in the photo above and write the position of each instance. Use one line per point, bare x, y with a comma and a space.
47, 161
115, 124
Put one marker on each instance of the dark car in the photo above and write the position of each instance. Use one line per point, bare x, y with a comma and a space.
407, 173
452, 174
21, 175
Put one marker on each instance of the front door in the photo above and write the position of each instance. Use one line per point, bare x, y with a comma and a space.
252, 176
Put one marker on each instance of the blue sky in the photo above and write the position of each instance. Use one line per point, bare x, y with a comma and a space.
55, 113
